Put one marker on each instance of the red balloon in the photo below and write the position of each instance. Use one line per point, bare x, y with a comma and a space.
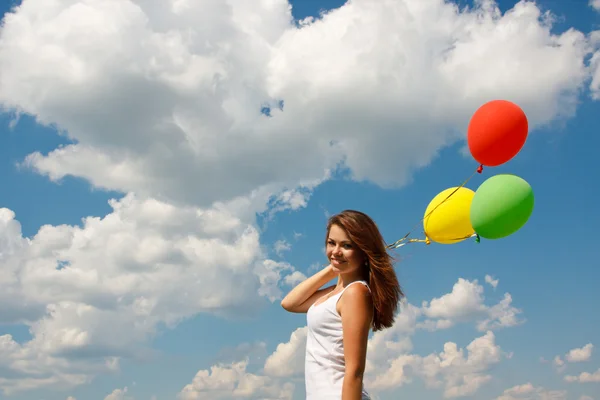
497, 132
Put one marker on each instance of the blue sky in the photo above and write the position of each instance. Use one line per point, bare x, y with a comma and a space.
548, 267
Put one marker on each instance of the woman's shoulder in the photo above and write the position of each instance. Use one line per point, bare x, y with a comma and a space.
356, 297
358, 290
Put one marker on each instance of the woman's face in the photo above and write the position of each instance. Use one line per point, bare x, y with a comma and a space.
342, 253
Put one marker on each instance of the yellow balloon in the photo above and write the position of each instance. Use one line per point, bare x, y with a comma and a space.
450, 222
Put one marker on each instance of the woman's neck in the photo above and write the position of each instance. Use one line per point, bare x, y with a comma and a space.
346, 279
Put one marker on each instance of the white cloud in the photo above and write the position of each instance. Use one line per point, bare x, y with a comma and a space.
390, 363
269, 273
288, 358
316, 266
119, 394
501, 315
227, 380
466, 302
177, 97
580, 354
343, 54
490, 280
584, 377
460, 375
233, 381
395, 341
574, 356
294, 278
144, 264
595, 65
281, 246
158, 96
529, 392
595, 4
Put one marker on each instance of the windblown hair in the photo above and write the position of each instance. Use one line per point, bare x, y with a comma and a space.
379, 271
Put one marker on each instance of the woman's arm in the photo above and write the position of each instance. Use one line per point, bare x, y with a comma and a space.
356, 309
306, 293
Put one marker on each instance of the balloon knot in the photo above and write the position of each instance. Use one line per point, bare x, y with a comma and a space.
427, 241
477, 239
480, 169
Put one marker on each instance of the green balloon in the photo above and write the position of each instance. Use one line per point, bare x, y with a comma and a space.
501, 206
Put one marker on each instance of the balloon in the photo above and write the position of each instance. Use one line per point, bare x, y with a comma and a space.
497, 132
449, 222
501, 206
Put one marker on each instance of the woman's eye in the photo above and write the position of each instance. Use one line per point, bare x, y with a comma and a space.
346, 246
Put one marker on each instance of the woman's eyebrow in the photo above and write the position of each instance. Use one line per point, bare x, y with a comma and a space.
342, 241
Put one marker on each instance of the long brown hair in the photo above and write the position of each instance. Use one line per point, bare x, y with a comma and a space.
385, 289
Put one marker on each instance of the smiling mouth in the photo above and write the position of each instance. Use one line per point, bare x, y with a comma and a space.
333, 260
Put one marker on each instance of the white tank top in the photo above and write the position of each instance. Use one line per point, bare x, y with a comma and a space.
324, 364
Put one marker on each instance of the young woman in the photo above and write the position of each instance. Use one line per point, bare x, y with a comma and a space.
340, 316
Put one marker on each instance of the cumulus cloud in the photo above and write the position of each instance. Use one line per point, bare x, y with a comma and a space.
294, 278
281, 246
270, 273
558, 362
233, 381
595, 65
491, 281
162, 101
584, 377
466, 302
157, 95
575, 355
580, 354
96, 293
288, 358
595, 4
529, 392
119, 394
275, 380
391, 364
458, 373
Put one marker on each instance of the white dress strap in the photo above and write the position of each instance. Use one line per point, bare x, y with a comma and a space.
352, 283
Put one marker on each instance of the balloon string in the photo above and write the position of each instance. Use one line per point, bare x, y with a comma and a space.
428, 241
404, 240
396, 244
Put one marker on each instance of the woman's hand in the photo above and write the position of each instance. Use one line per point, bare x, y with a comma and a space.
303, 296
